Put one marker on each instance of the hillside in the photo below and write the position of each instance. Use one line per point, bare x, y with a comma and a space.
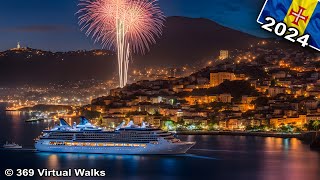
184, 41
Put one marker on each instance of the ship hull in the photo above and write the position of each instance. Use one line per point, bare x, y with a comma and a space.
16, 147
162, 148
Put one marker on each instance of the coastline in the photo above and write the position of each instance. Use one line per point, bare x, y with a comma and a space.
304, 136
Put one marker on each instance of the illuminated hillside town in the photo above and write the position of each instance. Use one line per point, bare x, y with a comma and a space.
160, 89
259, 88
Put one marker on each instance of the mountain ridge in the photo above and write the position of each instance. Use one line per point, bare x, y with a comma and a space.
206, 38
184, 41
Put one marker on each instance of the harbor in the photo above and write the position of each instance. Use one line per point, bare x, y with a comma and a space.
211, 151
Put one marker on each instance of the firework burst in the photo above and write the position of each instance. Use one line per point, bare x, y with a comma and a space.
126, 26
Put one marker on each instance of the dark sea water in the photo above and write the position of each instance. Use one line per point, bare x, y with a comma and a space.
213, 157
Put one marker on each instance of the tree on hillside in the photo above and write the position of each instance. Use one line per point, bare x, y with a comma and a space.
237, 89
313, 125
91, 114
260, 101
316, 125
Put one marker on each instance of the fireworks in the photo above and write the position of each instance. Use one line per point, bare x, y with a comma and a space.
126, 26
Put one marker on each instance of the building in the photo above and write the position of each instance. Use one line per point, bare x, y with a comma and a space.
297, 121
219, 77
192, 100
247, 99
225, 98
273, 91
279, 75
224, 54
315, 117
310, 104
139, 118
113, 121
242, 107
17, 48
195, 120
123, 110
155, 121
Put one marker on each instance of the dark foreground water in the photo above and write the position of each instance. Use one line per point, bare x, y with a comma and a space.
213, 157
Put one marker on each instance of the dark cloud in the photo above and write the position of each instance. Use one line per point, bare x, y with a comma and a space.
38, 28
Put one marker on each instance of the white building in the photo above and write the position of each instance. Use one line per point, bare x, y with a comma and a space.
224, 54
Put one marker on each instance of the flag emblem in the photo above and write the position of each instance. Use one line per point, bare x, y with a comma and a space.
298, 16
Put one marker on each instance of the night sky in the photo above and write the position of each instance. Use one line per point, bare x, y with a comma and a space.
52, 24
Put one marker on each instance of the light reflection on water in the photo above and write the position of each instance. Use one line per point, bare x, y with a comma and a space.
217, 157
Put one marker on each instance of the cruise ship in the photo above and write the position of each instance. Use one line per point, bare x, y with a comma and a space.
125, 139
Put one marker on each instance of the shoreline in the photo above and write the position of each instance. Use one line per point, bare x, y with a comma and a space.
305, 136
